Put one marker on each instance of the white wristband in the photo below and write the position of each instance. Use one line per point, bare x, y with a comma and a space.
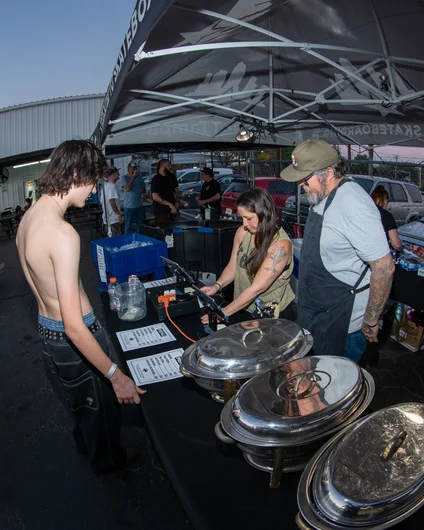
112, 370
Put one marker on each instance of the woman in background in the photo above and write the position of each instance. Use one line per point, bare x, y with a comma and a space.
381, 199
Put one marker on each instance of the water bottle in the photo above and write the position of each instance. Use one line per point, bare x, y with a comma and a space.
133, 281
111, 289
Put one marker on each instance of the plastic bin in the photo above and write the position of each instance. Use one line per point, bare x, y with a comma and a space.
142, 261
195, 246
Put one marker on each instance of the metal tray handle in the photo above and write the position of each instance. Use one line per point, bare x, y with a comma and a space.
184, 371
222, 437
249, 331
393, 446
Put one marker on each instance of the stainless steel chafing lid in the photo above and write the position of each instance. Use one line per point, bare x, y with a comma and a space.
299, 399
244, 349
375, 471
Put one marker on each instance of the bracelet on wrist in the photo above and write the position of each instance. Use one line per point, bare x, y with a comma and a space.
219, 286
111, 371
369, 325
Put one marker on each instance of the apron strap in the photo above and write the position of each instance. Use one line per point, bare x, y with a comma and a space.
333, 194
355, 289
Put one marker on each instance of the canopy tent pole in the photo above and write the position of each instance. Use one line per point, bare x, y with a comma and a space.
271, 87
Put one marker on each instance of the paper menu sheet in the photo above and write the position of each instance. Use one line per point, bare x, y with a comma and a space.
153, 335
156, 368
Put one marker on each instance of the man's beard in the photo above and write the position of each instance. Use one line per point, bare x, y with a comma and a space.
315, 197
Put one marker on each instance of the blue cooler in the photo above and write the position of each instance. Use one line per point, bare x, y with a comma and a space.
113, 260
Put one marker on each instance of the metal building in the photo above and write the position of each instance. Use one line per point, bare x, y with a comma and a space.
29, 132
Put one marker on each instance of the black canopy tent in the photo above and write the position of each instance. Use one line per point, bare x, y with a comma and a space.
190, 73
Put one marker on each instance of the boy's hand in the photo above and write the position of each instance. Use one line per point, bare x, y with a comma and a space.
125, 389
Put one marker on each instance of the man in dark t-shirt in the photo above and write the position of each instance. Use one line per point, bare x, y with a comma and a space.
210, 194
165, 192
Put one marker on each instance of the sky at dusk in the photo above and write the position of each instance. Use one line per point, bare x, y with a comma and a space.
54, 49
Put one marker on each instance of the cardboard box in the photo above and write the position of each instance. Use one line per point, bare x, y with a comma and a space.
408, 334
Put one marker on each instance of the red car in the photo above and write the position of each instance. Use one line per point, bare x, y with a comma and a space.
278, 188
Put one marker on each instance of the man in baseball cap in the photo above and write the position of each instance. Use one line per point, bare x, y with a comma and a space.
134, 190
346, 269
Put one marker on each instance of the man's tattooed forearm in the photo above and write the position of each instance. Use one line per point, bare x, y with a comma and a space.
278, 255
380, 285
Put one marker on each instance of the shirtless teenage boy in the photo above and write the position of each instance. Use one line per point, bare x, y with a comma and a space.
74, 343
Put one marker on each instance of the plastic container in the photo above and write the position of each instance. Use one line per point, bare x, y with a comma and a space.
113, 299
196, 247
132, 301
114, 258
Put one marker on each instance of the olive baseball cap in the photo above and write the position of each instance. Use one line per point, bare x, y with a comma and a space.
307, 157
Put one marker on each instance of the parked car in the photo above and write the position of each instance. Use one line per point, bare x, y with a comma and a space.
406, 202
279, 189
190, 190
185, 176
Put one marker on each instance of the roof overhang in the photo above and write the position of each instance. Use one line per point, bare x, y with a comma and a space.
25, 158
348, 72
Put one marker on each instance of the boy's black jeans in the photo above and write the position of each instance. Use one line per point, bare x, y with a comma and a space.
90, 397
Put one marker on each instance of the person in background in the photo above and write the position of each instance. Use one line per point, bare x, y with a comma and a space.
381, 198
109, 198
132, 185
165, 192
261, 261
74, 343
210, 193
28, 203
345, 266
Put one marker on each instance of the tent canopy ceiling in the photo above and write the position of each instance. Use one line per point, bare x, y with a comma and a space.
192, 73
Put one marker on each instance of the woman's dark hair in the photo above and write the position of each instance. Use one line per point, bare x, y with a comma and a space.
260, 202
380, 195
72, 163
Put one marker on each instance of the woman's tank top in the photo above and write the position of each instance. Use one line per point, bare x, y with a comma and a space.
278, 296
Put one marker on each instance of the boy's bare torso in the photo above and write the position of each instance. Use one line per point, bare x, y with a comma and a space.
38, 231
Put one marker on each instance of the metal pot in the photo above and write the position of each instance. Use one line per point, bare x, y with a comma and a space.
280, 418
225, 360
371, 475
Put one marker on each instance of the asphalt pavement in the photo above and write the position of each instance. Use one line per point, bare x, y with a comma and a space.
44, 483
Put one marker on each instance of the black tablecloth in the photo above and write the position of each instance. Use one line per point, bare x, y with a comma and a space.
408, 288
216, 487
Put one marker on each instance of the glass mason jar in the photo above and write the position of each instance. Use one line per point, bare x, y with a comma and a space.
132, 301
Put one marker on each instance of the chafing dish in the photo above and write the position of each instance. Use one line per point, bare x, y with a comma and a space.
226, 359
281, 417
369, 476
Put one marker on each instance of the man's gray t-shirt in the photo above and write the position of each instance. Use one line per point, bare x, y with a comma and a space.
132, 198
352, 235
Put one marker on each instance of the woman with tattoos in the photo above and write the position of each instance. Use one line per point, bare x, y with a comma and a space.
261, 262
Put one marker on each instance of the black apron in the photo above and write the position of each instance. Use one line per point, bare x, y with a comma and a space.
325, 303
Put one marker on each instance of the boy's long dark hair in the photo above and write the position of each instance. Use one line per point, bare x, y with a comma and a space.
74, 162
260, 202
